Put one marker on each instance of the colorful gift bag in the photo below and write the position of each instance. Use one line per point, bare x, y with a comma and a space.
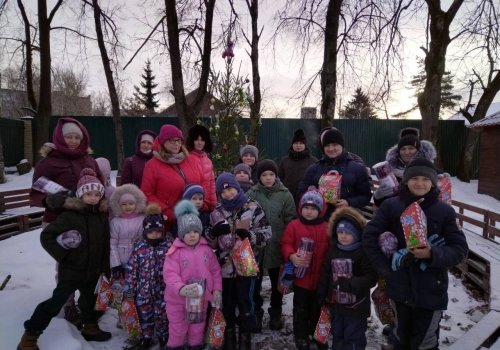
47, 186
130, 319
243, 258
385, 176
329, 185
195, 306
444, 186
388, 243
226, 242
306, 249
103, 291
115, 301
214, 337
283, 289
382, 305
323, 327
342, 268
414, 224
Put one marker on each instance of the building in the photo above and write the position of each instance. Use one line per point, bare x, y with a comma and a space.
308, 113
494, 107
205, 111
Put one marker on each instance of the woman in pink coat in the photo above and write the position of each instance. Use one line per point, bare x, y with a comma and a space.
189, 260
169, 171
199, 143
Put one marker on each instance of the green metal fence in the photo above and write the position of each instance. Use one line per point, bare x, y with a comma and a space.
12, 135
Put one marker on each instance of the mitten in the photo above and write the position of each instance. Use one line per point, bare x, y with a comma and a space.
220, 229
56, 200
343, 285
69, 239
191, 291
401, 258
117, 271
242, 233
383, 191
217, 299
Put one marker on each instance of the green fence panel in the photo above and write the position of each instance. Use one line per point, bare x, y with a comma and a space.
12, 135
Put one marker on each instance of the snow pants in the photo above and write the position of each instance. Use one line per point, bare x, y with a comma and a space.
152, 317
239, 291
178, 328
306, 312
348, 332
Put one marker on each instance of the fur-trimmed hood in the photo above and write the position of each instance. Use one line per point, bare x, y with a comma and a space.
48, 147
347, 213
140, 198
427, 151
76, 204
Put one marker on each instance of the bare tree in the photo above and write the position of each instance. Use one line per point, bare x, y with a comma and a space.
71, 83
2, 164
101, 104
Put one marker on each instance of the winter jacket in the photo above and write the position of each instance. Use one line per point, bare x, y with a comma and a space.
91, 257
279, 207
133, 167
364, 276
355, 187
208, 184
245, 185
205, 222
184, 262
253, 218
292, 168
316, 230
412, 285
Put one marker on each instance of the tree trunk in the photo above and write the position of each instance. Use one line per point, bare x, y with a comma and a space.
2, 164
329, 70
113, 95
29, 57
254, 56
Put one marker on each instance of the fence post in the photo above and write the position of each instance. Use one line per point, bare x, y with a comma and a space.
487, 222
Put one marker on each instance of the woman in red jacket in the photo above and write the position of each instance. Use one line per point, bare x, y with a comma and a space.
169, 171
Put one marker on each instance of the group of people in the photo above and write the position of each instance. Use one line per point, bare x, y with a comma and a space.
166, 227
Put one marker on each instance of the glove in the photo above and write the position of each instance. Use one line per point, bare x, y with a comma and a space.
191, 290
56, 201
434, 241
242, 233
342, 284
117, 271
401, 258
383, 191
217, 299
220, 229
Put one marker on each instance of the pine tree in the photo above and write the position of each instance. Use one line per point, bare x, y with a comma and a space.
360, 107
147, 98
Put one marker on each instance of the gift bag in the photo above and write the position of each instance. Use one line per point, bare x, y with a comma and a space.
47, 186
282, 288
225, 241
444, 186
382, 305
385, 176
323, 327
103, 291
306, 249
116, 298
342, 268
195, 306
130, 319
414, 224
388, 243
214, 337
243, 259
329, 185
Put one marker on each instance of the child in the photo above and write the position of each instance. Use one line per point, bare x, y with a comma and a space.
346, 279
196, 195
249, 155
189, 257
242, 173
144, 279
279, 206
82, 256
245, 218
310, 224
419, 292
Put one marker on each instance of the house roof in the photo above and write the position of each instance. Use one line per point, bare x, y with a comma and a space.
171, 111
492, 119
494, 107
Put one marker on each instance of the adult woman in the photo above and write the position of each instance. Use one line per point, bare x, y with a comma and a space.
199, 143
249, 155
133, 167
355, 190
169, 171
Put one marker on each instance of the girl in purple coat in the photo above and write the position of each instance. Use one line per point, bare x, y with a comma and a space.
190, 257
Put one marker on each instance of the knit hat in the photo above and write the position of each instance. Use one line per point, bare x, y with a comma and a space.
312, 198
88, 182
331, 136
71, 128
409, 137
347, 226
299, 136
243, 167
69, 239
153, 220
127, 197
265, 165
420, 167
147, 137
194, 132
226, 180
190, 190
168, 131
187, 218
250, 149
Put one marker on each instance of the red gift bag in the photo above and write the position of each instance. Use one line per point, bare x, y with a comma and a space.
329, 185
130, 319
414, 224
323, 326
444, 186
282, 288
243, 258
116, 298
215, 329
382, 305
103, 291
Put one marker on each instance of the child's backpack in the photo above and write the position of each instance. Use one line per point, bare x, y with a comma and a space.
329, 185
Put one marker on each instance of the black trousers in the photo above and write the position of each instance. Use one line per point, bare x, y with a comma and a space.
276, 296
239, 292
50, 308
306, 312
349, 332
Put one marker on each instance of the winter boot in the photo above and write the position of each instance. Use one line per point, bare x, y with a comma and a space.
276, 322
229, 339
259, 314
174, 348
163, 343
196, 347
141, 344
302, 344
387, 330
245, 340
321, 346
29, 341
92, 332
72, 315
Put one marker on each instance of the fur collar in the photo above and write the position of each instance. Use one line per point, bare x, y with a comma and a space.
427, 151
348, 213
76, 204
48, 147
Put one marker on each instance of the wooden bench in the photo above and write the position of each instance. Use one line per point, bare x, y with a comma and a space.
16, 216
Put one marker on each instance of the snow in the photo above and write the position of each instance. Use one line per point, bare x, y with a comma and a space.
494, 107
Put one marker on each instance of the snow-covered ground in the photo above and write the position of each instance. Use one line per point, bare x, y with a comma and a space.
33, 270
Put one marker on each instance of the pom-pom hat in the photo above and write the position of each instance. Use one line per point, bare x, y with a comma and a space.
187, 218
153, 220
88, 182
409, 137
312, 198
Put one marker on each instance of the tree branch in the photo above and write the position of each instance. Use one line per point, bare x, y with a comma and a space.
54, 10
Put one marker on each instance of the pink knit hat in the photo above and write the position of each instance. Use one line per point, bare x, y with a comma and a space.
168, 131
88, 182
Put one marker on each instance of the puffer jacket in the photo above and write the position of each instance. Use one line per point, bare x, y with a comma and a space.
207, 169
364, 276
411, 285
292, 168
279, 207
91, 257
133, 167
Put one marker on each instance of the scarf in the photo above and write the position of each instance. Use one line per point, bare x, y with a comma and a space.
317, 221
349, 247
173, 159
237, 202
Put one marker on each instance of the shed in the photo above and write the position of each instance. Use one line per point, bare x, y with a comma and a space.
489, 155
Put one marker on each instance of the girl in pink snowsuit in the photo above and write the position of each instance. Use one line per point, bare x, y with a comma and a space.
190, 257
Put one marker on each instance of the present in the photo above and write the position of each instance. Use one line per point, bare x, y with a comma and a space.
444, 185
115, 301
306, 249
286, 278
243, 258
414, 224
214, 337
329, 186
382, 305
226, 242
323, 327
342, 268
130, 319
217, 217
388, 243
385, 176
103, 291
47, 186
195, 306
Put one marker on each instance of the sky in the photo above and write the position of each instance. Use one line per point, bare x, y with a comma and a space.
278, 71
